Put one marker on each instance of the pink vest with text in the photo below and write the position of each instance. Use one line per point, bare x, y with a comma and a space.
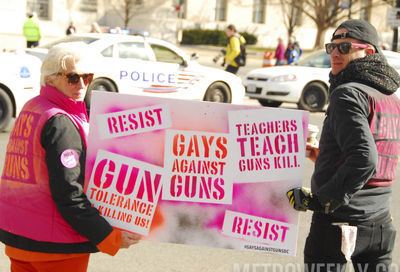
26, 205
385, 128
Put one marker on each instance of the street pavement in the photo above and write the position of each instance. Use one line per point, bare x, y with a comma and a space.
207, 53
162, 257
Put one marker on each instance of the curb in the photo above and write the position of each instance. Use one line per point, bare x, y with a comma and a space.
216, 48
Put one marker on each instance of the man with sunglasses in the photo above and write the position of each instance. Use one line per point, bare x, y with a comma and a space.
46, 220
356, 162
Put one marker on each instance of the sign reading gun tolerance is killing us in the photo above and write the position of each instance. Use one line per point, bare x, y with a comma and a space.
196, 173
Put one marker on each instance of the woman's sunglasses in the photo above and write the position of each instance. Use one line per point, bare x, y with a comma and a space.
344, 47
74, 78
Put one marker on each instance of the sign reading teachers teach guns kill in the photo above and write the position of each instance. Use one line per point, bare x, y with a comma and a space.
196, 173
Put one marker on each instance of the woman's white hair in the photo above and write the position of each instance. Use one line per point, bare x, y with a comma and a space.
60, 55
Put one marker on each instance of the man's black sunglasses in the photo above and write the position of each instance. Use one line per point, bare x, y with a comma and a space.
344, 47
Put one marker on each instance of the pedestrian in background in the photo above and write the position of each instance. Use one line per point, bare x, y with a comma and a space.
232, 49
358, 153
296, 46
291, 53
31, 31
95, 28
280, 53
71, 29
46, 220
385, 46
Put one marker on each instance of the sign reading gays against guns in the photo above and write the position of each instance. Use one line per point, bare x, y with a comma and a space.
196, 173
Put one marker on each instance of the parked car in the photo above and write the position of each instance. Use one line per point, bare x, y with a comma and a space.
19, 82
147, 66
305, 83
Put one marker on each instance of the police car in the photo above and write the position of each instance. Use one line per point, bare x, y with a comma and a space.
19, 82
136, 64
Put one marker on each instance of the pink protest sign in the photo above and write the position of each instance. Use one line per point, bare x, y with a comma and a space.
125, 190
196, 173
268, 143
198, 166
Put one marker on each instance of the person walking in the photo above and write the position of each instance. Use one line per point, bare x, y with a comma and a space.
356, 161
233, 49
71, 29
95, 28
31, 31
291, 53
280, 53
296, 46
46, 221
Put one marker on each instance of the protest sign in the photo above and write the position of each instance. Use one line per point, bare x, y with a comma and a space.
196, 173
199, 167
267, 145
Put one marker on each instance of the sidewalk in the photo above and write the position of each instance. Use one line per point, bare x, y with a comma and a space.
161, 257
216, 49
212, 51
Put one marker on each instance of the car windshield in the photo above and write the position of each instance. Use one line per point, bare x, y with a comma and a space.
164, 54
86, 40
393, 61
319, 59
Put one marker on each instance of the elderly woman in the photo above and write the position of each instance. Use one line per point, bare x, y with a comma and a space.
46, 220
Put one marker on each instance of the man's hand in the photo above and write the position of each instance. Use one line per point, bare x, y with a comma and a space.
312, 151
302, 200
129, 239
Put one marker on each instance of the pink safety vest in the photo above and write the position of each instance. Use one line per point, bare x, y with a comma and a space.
384, 121
26, 206
384, 125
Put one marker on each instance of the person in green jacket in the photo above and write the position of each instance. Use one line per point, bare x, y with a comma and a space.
31, 31
232, 49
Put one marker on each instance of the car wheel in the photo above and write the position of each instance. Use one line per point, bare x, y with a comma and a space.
269, 103
314, 97
218, 92
6, 110
100, 84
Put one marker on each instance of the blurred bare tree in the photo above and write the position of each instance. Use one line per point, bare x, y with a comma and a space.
127, 9
291, 15
324, 13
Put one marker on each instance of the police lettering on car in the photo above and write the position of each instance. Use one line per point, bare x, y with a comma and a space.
147, 76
